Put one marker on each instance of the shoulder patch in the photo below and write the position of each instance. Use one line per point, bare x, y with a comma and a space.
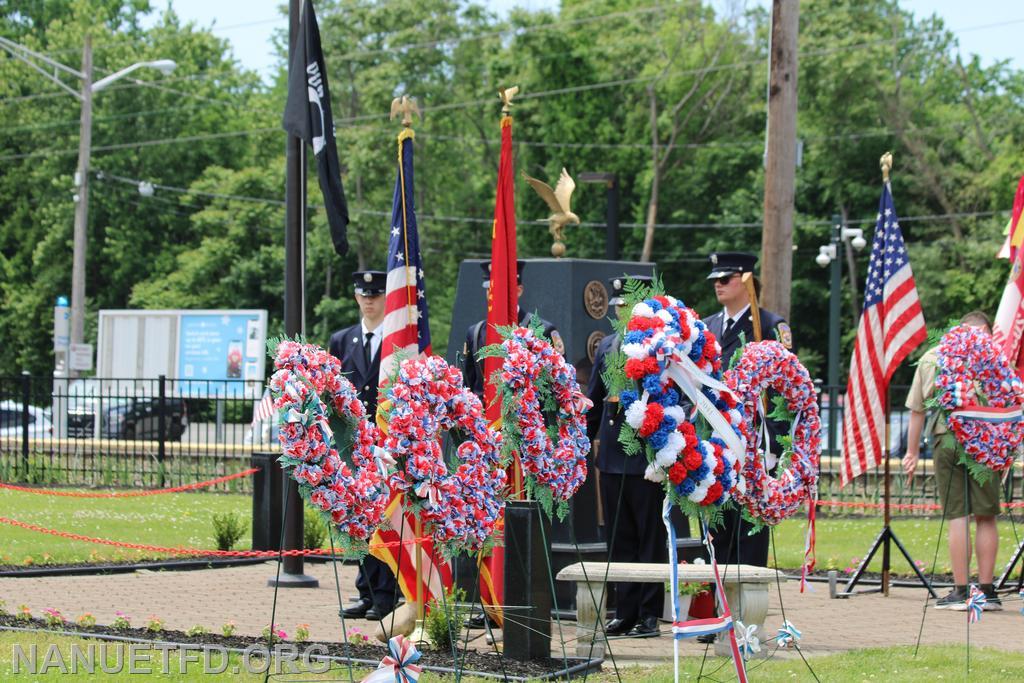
785, 335
557, 343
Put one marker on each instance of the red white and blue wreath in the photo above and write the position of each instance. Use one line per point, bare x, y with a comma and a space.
534, 376
459, 502
670, 353
769, 365
982, 397
352, 502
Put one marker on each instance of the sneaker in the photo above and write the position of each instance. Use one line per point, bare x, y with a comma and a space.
992, 602
956, 600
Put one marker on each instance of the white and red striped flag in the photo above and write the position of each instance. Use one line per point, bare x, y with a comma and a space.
406, 335
1008, 330
891, 326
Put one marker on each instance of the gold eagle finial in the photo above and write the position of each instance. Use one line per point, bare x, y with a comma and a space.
406, 106
886, 163
558, 201
506, 98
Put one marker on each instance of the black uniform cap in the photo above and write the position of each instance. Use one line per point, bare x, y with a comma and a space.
729, 262
486, 267
370, 282
617, 286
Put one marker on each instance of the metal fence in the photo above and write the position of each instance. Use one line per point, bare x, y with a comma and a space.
128, 432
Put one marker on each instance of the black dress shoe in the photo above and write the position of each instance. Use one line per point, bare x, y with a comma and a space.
647, 628
477, 621
706, 639
618, 627
358, 610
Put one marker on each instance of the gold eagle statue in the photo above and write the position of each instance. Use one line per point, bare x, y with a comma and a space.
558, 201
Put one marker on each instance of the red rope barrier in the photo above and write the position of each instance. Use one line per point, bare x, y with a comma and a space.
131, 494
190, 551
897, 506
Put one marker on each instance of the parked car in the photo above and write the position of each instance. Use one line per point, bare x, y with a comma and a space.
139, 418
12, 421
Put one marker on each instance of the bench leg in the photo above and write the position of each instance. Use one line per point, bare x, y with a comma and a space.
590, 619
749, 604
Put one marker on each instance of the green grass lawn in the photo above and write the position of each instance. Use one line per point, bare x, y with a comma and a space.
185, 519
170, 520
895, 665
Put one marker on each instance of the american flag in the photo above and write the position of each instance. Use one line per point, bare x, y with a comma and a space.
891, 326
406, 335
406, 317
263, 410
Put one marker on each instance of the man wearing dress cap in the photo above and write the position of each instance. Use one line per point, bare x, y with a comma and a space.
358, 349
631, 504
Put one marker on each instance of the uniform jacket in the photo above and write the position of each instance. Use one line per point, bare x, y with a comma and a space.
473, 368
772, 327
347, 346
605, 419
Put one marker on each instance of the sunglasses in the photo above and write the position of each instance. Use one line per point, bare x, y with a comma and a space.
726, 279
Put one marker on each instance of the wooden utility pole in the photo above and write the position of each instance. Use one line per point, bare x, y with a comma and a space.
81, 230
780, 160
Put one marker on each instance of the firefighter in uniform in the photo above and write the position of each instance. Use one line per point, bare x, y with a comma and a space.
733, 326
631, 504
358, 348
473, 367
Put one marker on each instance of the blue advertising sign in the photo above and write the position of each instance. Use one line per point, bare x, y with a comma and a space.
215, 348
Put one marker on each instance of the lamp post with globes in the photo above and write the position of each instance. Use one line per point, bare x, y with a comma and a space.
829, 254
36, 60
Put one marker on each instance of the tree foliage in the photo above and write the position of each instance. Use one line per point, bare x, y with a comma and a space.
668, 96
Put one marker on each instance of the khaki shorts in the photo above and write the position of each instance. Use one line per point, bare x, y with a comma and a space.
960, 493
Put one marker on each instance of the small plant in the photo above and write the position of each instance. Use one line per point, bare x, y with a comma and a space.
87, 620
154, 624
444, 618
197, 630
314, 531
358, 637
3, 608
53, 617
121, 622
273, 634
23, 613
228, 528
228, 629
302, 633
693, 588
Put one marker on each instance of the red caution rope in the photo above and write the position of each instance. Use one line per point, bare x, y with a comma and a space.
191, 551
131, 494
897, 506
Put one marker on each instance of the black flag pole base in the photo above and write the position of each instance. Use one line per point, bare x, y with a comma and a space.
882, 541
287, 580
1005, 576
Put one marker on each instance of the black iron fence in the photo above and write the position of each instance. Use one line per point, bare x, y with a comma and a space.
169, 432
128, 432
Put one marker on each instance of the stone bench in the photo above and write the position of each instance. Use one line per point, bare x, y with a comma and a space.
746, 589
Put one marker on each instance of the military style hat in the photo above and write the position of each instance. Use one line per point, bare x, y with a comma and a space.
617, 286
729, 262
370, 282
486, 267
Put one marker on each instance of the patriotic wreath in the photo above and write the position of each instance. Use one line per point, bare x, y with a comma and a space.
668, 349
982, 397
427, 399
769, 365
534, 374
353, 501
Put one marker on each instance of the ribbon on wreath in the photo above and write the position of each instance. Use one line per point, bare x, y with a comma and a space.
975, 604
398, 666
698, 627
788, 635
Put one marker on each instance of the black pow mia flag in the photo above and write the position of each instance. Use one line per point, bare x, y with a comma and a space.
307, 115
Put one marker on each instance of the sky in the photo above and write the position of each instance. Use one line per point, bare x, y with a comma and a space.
993, 29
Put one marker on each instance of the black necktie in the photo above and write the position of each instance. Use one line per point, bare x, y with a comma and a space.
366, 348
728, 326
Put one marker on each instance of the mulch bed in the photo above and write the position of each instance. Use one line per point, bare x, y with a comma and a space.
469, 661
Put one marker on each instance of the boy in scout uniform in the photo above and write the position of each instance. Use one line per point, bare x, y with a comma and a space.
961, 495
358, 348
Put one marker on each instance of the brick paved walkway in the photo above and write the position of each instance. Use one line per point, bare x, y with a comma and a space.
214, 596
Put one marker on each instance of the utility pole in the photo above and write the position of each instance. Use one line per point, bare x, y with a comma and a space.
780, 159
81, 201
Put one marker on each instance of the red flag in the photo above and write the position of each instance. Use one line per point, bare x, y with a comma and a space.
1008, 330
891, 326
502, 310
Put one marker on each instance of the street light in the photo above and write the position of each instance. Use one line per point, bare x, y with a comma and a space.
81, 194
829, 253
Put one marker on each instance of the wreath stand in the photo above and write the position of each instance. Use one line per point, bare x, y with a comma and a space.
885, 537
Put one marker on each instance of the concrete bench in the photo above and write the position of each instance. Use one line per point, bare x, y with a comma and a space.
746, 589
